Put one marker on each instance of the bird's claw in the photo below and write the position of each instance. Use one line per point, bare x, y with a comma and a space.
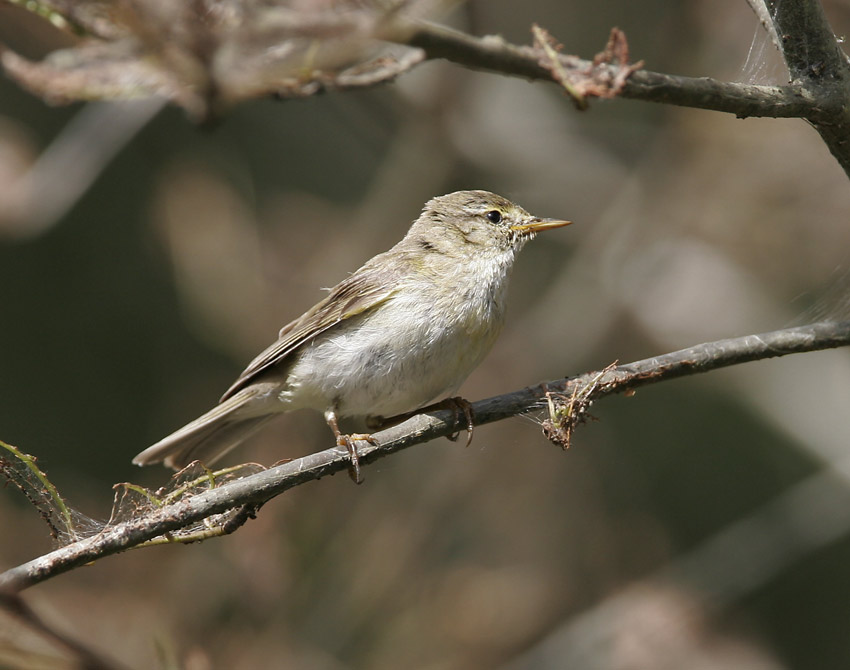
350, 444
458, 405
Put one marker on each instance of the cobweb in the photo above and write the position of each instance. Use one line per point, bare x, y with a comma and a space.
65, 523
132, 501
764, 64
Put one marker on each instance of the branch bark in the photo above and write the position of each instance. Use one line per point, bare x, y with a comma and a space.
253, 490
494, 54
819, 67
819, 91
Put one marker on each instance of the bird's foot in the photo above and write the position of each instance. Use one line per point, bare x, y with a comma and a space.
457, 404
350, 444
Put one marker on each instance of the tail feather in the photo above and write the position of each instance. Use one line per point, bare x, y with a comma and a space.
213, 434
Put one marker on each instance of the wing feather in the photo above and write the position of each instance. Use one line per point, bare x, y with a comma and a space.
360, 292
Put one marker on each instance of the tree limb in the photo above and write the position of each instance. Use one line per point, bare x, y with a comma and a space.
114, 69
819, 67
807, 42
256, 489
493, 54
819, 91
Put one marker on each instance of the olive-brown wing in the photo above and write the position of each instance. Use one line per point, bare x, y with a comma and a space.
358, 293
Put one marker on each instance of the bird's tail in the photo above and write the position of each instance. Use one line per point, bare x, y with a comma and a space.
213, 434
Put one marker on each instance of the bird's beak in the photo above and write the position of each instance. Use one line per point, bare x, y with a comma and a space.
536, 225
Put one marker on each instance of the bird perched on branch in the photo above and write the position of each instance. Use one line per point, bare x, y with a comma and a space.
407, 327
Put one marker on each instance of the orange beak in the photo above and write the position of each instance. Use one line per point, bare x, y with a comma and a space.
536, 225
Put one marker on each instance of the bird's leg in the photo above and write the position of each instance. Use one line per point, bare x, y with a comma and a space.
456, 404
350, 444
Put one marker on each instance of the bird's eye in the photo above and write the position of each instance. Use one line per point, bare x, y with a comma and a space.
494, 216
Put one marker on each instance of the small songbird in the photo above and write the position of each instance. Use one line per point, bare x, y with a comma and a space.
407, 327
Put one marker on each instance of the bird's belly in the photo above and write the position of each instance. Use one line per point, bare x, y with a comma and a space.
390, 363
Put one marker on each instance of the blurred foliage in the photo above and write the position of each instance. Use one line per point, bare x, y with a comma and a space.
206, 55
131, 310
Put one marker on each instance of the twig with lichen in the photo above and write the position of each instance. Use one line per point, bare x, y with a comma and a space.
241, 496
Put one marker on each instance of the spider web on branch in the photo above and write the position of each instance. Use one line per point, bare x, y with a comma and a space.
132, 501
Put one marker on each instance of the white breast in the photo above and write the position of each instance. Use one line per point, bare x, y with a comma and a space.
412, 349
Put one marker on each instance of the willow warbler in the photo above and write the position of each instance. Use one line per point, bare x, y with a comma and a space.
407, 327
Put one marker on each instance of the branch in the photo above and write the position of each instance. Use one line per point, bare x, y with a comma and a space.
253, 490
819, 67
494, 54
806, 40
763, 15
206, 61
294, 54
819, 91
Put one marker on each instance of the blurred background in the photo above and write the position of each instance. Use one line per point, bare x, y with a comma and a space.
702, 523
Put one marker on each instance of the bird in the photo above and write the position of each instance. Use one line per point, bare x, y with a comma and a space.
407, 327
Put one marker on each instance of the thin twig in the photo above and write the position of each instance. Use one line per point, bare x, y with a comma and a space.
260, 487
763, 14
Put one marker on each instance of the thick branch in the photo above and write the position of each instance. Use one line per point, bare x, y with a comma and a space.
807, 41
258, 488
819, 67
